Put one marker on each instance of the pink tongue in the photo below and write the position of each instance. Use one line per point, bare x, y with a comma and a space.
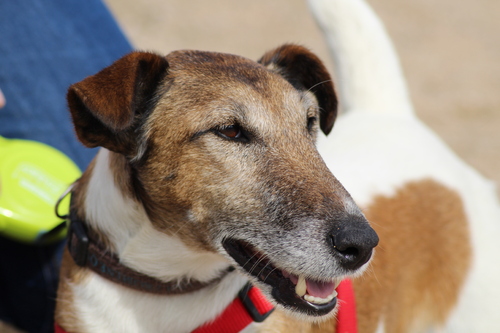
320, 289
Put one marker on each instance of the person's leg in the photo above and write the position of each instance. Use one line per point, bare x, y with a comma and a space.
28, 284
44, 47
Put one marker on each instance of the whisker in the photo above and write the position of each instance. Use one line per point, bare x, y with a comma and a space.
272, 271
256, 264
263, 268
249, 259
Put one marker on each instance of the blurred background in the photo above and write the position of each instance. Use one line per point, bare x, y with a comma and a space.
449, 50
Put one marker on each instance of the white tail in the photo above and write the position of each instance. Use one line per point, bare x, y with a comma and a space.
367, 67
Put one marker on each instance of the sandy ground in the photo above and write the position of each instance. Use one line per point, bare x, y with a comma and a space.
450, 52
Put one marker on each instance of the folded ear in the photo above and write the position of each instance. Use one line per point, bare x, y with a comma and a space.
305, 71
106, 107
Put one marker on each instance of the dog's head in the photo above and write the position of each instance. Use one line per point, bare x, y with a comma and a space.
222, 153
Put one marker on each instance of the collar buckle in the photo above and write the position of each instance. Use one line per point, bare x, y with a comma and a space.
253, 300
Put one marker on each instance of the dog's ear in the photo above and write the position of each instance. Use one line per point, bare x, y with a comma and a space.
305, 71
106, 107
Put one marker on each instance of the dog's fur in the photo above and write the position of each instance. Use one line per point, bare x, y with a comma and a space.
168, 187
171, 183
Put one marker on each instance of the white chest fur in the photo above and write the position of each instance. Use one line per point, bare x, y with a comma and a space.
104, 306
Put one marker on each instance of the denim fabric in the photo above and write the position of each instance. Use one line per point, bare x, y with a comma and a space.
45, 45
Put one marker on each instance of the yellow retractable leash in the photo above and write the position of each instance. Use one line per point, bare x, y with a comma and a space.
32, 178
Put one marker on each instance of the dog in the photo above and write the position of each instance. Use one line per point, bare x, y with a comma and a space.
438, 219
208, 178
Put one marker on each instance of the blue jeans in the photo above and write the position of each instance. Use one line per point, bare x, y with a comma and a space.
45, 45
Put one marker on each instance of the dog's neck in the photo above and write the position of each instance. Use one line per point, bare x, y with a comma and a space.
124, 224
126, 227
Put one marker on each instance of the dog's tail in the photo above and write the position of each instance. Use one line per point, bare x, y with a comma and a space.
367, 67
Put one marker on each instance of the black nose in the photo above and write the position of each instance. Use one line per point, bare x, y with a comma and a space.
353, 244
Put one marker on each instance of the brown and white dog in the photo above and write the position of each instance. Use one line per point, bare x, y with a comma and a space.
209, 162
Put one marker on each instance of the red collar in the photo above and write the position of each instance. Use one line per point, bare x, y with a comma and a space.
251, 305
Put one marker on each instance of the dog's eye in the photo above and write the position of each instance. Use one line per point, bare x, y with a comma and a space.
311, 121
233, 132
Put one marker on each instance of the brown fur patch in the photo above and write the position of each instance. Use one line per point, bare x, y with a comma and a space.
65, 314
422, 259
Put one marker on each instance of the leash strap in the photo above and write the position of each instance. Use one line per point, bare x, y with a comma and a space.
346, 317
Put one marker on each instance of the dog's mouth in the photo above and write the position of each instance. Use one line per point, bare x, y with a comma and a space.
311, 297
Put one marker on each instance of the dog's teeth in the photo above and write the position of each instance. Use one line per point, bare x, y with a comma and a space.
301, 286
337, 283
319, 300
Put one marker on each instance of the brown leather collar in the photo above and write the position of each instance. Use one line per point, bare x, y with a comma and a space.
93, 255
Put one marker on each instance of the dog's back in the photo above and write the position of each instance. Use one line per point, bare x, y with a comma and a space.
438, 219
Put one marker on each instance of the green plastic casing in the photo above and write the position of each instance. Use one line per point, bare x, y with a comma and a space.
32, 178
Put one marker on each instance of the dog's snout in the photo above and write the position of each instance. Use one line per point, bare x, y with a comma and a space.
353, 245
